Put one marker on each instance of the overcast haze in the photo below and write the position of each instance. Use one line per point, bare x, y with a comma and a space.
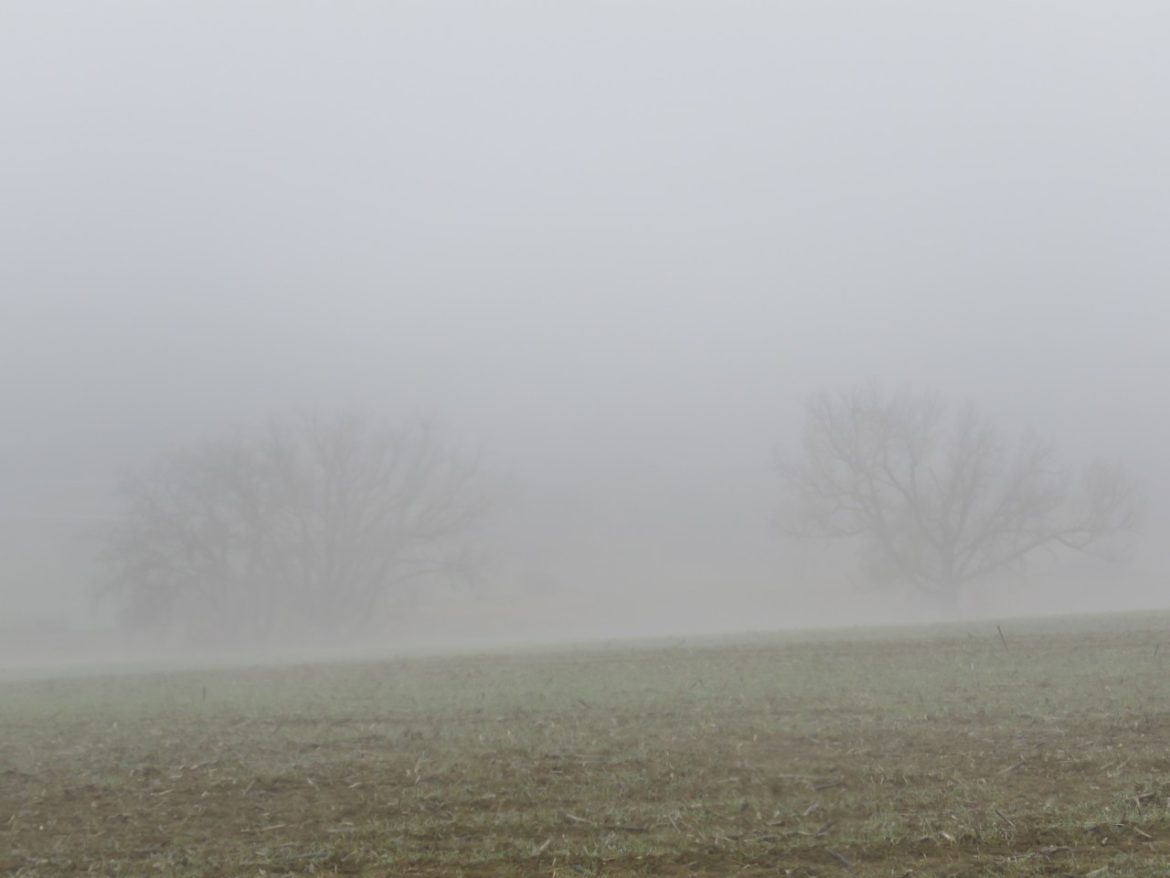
614, 246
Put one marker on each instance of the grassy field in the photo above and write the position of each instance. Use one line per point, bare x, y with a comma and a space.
927, 752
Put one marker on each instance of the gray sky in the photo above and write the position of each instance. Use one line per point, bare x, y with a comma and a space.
615, 244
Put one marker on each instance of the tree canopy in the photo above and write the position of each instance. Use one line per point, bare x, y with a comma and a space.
936, 496
311, 524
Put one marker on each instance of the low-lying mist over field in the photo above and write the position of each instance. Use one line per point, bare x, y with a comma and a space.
410, 325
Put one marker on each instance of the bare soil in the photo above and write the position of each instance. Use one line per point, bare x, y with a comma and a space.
920, 753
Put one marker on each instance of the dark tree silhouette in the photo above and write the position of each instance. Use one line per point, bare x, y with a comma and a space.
309, 525
937, 498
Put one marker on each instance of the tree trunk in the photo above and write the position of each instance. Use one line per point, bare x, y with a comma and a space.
945, 600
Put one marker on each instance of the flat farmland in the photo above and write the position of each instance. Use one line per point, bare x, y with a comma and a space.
941, 751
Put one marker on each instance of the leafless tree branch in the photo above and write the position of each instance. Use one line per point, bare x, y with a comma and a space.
312, 522
941, 500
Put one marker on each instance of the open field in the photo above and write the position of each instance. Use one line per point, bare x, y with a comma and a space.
928, 752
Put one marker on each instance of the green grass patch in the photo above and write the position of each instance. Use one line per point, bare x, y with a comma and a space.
930, 751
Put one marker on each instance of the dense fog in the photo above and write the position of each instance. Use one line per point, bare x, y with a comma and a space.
610, 249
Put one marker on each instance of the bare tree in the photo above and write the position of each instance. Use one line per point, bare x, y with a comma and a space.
936, 497
308, 525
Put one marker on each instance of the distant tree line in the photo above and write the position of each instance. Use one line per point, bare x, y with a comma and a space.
323, 524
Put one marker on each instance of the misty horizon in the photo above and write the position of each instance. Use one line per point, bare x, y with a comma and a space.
612, 250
